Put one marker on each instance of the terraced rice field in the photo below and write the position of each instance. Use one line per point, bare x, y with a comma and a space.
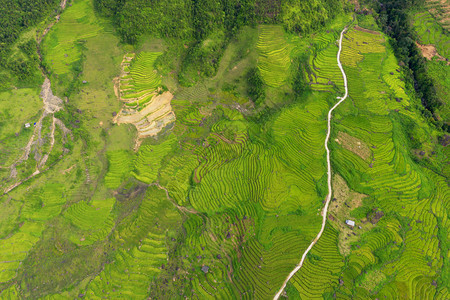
145, 104
46, 204
120, 163
430, 32
224, 203
325, 74
274, 55
62, 46
139, 77
439, 9
399, 186
94, 220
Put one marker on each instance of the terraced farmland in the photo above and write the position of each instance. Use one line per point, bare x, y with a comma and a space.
62, 46
120, 163
430, 32
217, 198
94, 219
434, 42
274, 60
439, 9
145, 105
139, 76
398, 249
325, 74
144, 236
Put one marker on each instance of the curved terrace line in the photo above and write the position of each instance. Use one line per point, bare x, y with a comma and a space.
330, 191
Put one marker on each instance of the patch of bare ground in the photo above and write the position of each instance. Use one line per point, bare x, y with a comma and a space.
343, 202
150, 120
366, 30
116, 82
67, 170
429, 51
354, 145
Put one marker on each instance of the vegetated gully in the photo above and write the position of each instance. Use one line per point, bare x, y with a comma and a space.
330, 191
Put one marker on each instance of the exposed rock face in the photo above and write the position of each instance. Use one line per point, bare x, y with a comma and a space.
52, 103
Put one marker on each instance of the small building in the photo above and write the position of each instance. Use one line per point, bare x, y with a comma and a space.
27, 125
350, 223
205, 269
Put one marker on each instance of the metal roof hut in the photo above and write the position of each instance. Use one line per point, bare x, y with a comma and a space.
350, 223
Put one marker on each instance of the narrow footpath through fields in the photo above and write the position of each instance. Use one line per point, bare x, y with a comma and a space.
330, 191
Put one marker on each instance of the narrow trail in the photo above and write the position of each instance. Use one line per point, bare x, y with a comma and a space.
330, 191
51, 104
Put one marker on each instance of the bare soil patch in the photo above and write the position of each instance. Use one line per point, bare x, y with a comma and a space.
116, 82
153, 118
366, 30
354, 145
429, 51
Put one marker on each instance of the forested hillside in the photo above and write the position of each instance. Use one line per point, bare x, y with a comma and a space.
16, 16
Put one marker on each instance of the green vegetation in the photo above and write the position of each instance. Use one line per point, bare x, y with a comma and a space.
386, 260
62, 47
18, 62
273, 61
142, 79
394, 21
201, 30
23, 106
305, 16
224, 201
119, 163
430, 32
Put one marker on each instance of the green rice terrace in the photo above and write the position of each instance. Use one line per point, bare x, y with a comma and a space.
238, 149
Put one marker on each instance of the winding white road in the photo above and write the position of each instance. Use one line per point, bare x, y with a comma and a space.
330, 191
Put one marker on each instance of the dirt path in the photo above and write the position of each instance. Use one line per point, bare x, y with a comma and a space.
330, 191
181, 208
51, 104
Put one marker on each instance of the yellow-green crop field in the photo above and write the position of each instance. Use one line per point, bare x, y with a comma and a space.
224, 201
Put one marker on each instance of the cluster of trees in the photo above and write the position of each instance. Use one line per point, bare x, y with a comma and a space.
255, 86
393, 19
301, 71
203, 26
196, 19
25, 66
303, 16
15, 17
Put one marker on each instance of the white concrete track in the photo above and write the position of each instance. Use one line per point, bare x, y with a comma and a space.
330, 191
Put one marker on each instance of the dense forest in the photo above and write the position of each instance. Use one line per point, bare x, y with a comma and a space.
393, 19
197, 19
15, 17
